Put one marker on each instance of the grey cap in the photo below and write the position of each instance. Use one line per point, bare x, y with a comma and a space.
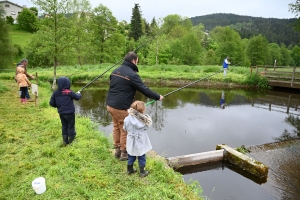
24, 60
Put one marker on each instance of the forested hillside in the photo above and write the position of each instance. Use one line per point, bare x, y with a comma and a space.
275, 30
94, 35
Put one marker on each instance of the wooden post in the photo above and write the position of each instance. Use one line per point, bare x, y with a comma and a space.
274, 65
256, 69
251, 70
293, 76
35, 93
36, 76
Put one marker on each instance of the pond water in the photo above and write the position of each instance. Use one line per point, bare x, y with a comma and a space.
194, 120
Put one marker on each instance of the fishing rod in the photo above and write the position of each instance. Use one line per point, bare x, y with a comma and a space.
185, 86
150, 39
236, 64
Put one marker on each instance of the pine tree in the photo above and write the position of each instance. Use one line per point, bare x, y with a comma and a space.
136, 23
153, 27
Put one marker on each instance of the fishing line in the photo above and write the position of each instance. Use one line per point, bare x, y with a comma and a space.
185, 86
189, 85
150, 39
237, 63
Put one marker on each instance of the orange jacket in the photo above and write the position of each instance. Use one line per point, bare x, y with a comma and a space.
21, 78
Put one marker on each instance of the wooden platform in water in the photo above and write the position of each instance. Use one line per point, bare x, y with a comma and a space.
223, 152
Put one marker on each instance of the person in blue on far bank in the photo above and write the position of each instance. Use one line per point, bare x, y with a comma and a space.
226, 64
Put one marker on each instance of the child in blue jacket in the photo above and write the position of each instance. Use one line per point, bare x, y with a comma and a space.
62, 99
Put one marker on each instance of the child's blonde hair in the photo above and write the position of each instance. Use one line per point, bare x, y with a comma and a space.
138, 106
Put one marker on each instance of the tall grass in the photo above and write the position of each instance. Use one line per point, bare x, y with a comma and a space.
30, 146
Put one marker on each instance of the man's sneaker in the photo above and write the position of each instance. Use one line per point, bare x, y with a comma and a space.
117, 152
124, 155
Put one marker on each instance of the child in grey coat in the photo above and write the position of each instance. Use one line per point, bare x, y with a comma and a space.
138, 143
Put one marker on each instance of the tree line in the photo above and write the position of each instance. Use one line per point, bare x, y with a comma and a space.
71, 33
275, 30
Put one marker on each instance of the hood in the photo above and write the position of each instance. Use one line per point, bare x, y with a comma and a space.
138, 119
63, 83
20, 70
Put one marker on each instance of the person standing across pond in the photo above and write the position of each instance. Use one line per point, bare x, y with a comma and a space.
124, 82
226, 64
23, 64
23, 83
62, 99
138, 143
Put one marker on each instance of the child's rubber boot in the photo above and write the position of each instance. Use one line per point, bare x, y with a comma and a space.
130, 169
65, 140
71, 138
143, 172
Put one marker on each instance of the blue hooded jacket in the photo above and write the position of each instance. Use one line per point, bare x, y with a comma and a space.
62, 98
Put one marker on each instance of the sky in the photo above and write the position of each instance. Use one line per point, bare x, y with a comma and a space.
122, 9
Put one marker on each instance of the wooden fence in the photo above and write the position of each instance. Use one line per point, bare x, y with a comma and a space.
281, 76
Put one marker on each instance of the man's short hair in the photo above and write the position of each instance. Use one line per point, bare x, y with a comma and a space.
131, 56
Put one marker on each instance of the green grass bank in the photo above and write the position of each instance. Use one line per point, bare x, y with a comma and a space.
162, 75
30, 147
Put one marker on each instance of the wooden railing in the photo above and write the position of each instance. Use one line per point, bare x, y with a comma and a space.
282, 76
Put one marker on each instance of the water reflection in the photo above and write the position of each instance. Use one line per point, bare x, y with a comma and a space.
221, 165
222, 100
293, 134
191, 121
284, 167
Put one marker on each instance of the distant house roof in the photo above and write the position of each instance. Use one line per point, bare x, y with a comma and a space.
11, 3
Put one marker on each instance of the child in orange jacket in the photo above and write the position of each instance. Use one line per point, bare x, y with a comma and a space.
23, 83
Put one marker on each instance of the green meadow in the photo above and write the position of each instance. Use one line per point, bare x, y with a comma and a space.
167, 75
20, 37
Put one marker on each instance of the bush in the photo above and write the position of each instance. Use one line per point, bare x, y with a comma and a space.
27, 20
257, 81
9, 20
19, 50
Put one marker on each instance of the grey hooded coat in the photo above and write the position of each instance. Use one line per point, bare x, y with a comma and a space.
136, 124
